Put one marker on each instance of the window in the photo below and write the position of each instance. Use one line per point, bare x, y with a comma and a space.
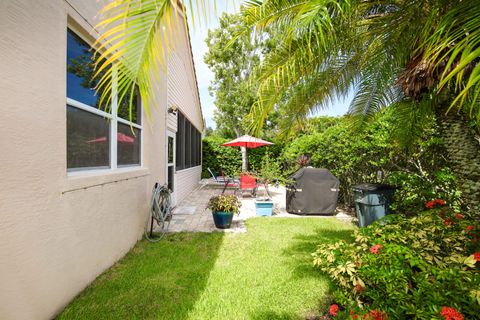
90, 130
189, 147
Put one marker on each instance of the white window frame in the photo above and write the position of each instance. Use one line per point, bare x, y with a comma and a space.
114, 119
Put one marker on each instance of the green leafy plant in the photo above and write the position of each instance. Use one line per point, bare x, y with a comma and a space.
229, 160
270, 170
408, 267
419, 173
224, 203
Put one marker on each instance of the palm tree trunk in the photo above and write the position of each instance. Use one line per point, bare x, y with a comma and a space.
463, 151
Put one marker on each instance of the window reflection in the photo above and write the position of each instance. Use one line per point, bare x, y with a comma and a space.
88, 141
80, 71
128, 145
124, 107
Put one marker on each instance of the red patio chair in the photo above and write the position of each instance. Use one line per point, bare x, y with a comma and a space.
248, 182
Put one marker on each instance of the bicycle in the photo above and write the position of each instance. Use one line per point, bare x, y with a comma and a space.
160, 213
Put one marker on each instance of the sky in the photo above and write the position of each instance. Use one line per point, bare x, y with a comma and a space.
198, 33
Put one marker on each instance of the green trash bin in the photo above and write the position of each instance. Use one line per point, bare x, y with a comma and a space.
372, 201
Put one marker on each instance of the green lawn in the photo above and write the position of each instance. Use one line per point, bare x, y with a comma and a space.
265, 273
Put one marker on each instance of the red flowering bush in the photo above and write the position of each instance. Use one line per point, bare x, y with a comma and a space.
476, 256
407, 267
451, 314
459, 215
333, 309
434, 203
376, 248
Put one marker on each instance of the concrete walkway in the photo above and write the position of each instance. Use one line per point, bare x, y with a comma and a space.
191, 214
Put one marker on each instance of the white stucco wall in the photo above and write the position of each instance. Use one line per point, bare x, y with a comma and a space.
188, 179
183, 93
58, 232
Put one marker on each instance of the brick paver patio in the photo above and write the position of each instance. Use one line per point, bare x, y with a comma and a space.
191, 214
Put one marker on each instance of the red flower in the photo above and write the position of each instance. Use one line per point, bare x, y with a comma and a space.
451, 314
378, 315
430, 204
448, 222
459, 215
333, 309
354, 316
433, 203
476, 256
359, 289
374, 249
469, 228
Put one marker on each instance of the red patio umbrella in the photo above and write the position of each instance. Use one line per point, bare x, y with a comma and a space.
247, 142
121, 137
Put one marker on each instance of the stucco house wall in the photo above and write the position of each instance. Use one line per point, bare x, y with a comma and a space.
59, 231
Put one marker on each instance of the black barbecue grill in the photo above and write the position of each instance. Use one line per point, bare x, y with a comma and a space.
313, 191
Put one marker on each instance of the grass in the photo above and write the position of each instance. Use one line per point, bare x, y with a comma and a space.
266, 273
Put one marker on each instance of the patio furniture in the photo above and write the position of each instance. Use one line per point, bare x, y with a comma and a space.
247, 142
222, 179
314, 191
248, 183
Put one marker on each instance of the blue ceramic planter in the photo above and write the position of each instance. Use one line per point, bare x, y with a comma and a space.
264, 208
222, 220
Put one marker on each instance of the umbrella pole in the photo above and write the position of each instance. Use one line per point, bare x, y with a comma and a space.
244, 158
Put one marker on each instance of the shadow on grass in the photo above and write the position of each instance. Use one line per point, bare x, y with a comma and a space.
154, 280
306, 244
301, 259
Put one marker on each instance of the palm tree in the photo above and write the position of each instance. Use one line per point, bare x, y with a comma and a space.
419, 56
389, 51
416, 55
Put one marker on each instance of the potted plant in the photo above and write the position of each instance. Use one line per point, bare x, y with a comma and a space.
223, 208
269, 172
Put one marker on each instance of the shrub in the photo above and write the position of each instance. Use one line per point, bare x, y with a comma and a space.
220, 158
224, 203
419, 172
229, 159
408, 267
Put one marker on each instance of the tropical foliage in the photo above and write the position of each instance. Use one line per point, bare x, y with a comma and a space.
420, 172
386, 50
424, 267
224, 203
229, 160
137, 37
231, 60
413, 52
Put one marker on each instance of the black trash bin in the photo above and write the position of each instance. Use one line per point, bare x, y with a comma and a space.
372, 201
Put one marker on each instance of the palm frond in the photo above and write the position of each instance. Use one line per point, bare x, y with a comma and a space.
455, 48
410, 121
133, 49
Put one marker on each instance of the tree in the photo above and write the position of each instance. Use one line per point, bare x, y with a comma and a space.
391, 51
232, 58
418, 56
420, 46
